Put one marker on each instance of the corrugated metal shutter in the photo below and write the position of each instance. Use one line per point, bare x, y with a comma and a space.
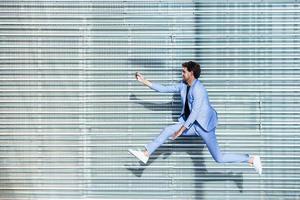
70, 106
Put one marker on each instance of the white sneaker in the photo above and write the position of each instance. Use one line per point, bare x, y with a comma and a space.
257, 164
139, 154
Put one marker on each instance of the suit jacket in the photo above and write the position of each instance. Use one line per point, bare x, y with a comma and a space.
200, 107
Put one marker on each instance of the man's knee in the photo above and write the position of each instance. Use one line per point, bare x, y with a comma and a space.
219, 159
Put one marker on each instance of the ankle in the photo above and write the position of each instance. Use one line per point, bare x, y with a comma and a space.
146, 153
251, 160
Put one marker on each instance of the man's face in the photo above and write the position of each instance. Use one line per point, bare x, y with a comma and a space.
186, 75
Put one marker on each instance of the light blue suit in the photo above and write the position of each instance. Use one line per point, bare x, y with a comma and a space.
202, 121
201, 110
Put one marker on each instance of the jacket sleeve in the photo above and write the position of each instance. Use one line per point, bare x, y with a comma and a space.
165, 89
196, 106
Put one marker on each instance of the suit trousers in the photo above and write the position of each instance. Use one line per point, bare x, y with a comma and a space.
209, 139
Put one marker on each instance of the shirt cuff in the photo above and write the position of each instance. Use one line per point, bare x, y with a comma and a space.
187, 125
154, 86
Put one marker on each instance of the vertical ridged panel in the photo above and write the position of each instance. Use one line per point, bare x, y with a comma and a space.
70, 106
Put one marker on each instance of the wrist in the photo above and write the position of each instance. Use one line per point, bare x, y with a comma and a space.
147, 83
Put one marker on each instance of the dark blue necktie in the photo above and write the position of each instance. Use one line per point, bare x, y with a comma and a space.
186, 106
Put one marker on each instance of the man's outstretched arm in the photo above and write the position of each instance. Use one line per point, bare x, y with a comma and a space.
157, 87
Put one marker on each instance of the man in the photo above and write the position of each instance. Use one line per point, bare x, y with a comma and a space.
197, 117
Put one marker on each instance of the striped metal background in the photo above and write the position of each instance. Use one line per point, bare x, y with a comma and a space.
70, 106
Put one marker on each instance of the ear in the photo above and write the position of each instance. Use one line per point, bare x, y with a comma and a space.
193, 74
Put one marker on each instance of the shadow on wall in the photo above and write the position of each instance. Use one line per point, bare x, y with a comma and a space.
201, 174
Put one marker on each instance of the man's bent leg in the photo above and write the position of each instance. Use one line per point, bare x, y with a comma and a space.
214, 149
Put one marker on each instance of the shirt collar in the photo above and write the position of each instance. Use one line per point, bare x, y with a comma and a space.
194, 81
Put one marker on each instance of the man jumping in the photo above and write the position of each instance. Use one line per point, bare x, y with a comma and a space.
197, 117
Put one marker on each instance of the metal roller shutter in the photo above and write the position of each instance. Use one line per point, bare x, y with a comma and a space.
71, 107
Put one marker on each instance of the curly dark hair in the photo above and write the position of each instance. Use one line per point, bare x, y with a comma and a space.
193, 66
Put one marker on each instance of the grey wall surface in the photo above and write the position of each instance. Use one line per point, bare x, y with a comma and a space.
71, 107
